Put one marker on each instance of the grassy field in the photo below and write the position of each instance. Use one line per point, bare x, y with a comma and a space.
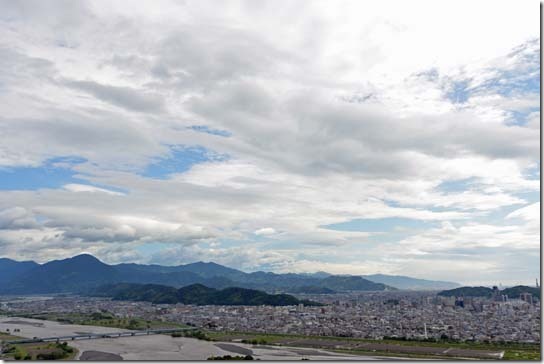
105, 320
35, 351
40, 351
6, 336
512, 351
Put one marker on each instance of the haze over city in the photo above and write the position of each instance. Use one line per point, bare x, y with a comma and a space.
287, 136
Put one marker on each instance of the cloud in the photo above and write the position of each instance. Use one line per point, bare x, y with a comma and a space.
530, 214
17, 218
126, 97
325, 122
265, 231
75, 187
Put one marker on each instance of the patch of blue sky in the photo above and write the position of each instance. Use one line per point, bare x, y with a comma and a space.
53, 173
519, 117
392, 203
532, 173
529, 196
498, 216
390, 237
509, 83
522, 79
179, 160
458, 91
459, 185
387, 224
207, 129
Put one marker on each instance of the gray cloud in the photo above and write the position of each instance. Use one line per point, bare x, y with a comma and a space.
309, 134
121, 86
126, 97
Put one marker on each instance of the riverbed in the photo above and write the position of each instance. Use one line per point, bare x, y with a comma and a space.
158, 347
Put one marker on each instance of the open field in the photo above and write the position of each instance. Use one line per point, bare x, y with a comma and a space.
35, 351
271, 346
512, 351
104, 320
159, 347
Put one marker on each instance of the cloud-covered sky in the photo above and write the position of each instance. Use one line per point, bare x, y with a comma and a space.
290, 136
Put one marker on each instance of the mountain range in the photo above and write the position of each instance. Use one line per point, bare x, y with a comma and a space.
84, 272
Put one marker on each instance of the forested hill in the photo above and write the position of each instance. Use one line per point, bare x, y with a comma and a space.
512, 292
196, 294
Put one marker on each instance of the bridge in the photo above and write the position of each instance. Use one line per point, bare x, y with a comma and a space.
91, 336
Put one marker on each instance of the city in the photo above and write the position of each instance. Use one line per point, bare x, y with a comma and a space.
410, 315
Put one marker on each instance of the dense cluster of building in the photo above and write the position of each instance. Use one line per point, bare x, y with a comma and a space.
412, 315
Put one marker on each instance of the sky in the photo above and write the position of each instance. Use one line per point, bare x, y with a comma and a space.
352, 137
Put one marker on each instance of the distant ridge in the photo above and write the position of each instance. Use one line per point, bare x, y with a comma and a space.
410, 283
196, 294
512, 292
81, 272
9, 269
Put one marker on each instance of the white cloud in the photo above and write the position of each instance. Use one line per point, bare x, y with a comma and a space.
265, 231
75, 187
343, 115
530, 214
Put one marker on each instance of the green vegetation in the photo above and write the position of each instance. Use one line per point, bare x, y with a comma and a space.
513, 350
103, 319
521, 355
229, 357
512, 292
261, 341
196, 334
40, 351
467, 292
197, 294
352, 283
155, 293
311, 290
7, 336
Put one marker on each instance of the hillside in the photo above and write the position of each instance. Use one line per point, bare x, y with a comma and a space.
512, 292
352, 283
9, 269
84, 271
311, 290
467, 292
403, 282
196, 294
66, 275
154, 293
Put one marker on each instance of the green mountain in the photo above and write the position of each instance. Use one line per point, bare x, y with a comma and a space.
311, 290
352, 283
67, 275
9, 269
82, 272
155, 293
410, 283
196, 294
512, 292
467, 292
